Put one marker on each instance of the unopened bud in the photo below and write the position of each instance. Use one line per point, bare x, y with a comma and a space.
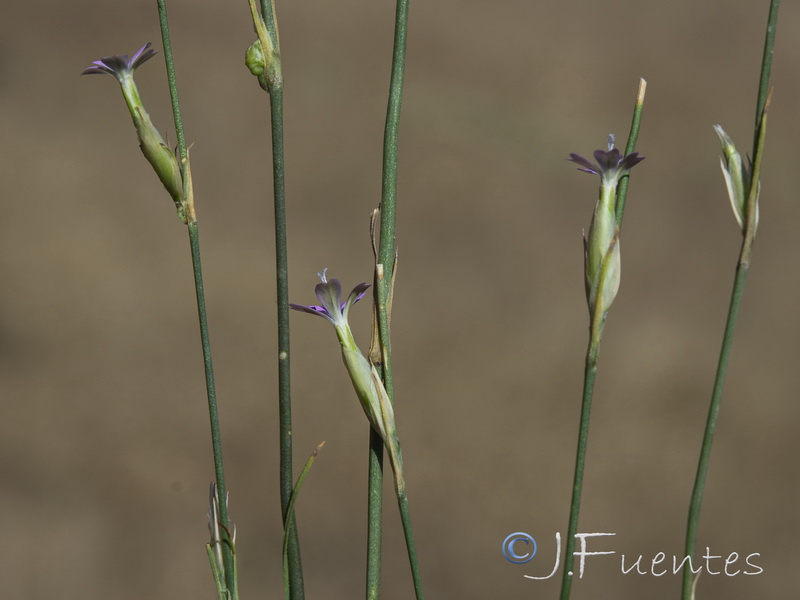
737, 178
267, 68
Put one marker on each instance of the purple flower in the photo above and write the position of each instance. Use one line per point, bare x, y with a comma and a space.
329, 294
152, 144
120, 65
611, 165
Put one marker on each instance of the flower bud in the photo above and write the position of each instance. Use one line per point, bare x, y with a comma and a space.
737, 178
266, 67
254, 59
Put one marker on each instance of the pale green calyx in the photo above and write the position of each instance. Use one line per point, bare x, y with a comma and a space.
601, 245
737, 178
601, 252
366, 381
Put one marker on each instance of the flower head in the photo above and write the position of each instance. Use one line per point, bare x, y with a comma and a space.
329, 294
601, 245
611, 165
120, 65
153, 146
365, 379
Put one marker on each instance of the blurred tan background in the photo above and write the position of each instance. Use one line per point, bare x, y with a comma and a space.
104, 441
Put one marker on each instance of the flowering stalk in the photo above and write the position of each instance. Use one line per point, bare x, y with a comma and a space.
176, 178
370, 390
743, 185
228, 549
384, 277
602, 277
263, 59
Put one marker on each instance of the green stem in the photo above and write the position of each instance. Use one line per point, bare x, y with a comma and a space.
408, 532
194, 243
173, 86
590, 374
711, 423
213, 414
387, 248
384, 278
405, 517
597, 323
282, 284
374, 515
284, 375
633, 137
742, 268
766, 67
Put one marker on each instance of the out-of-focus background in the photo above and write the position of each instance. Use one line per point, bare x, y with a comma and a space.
104, 441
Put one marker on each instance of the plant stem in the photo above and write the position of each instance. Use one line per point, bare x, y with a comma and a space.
408, 531
596, 326
766, 67
384, 279
282, 284
742, 268
633, 137
374, 515
213, 414
194, 244
590, 374
387, 248
284, 375
173, 86
711, 423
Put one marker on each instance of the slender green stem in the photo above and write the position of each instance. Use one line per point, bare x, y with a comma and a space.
766, 66
633, 137
374, 515
408, 531
194, 243
384, 278
282, 284
213, 414
387, 248
743, 266
711, 423
695, 505
590, 374
284, 375
597, 323
173, 86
